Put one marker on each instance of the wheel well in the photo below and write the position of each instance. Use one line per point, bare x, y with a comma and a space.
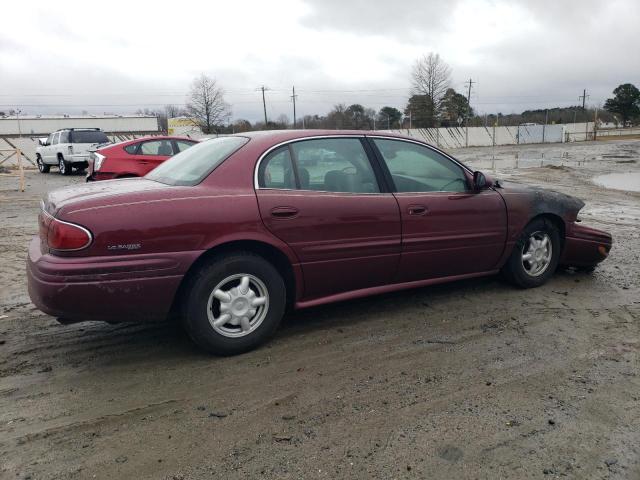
557, 221
270, 253
60, 157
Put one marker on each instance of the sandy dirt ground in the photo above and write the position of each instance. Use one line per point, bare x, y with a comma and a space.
468, 380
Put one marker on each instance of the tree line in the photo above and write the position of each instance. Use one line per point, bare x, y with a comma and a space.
432, 103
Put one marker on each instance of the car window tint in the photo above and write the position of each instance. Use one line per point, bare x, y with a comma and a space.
183, 145
156, 147
415, 168
276, 170
334, 165
64, 137
131, 149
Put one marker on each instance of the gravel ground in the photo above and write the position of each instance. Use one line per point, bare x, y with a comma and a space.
474, 379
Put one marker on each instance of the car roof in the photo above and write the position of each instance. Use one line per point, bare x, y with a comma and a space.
145, 138
278, 136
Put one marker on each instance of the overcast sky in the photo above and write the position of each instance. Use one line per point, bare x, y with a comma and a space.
118, 56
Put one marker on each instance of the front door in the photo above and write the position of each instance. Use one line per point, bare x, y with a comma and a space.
322, 198
447, 229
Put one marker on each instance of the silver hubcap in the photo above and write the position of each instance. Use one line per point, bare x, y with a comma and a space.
61, 166
39, 162
238, 305
537, 253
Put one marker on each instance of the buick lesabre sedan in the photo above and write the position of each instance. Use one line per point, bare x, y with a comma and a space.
230, 233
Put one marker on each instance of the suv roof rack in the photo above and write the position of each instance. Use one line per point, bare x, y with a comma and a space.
82, 128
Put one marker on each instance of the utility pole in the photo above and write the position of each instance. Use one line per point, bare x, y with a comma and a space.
293, 97
584, 97
264, 105
18, 112
466, 134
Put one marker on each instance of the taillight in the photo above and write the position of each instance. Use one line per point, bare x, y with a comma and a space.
63, 236
97, 161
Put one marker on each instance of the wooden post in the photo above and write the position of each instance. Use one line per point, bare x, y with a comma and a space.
20, 169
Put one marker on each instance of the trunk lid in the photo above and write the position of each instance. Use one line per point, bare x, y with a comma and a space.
99, 193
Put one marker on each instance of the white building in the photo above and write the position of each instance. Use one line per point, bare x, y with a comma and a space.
43, 125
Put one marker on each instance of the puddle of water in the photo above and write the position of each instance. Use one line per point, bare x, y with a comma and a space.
620, 181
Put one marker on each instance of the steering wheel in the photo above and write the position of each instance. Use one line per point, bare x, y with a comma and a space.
350, 167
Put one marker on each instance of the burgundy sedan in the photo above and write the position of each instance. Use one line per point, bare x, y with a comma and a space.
134, 158
233, 231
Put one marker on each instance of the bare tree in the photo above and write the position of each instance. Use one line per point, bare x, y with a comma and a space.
431, 77
173, 111
206, 105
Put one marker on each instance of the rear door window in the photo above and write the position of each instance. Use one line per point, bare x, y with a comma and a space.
132, 149
334, 165
156, 147
276, 170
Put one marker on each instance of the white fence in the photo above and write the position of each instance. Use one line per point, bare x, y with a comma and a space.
459, 137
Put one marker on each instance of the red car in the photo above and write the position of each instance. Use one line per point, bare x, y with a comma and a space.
233, 231
134, 158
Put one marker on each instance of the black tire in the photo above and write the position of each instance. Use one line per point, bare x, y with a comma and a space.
42, 167
199, 289
64, 167
515, 271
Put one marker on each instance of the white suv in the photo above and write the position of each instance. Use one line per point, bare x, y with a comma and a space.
69, 148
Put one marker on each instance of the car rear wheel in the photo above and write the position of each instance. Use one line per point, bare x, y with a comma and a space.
63, 166
42, 167
233, 303
535, 255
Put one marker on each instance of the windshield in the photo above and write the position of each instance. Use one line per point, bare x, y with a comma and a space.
88, 136
192, 165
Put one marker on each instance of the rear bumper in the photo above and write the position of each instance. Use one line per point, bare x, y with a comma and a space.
585, 246
117, 288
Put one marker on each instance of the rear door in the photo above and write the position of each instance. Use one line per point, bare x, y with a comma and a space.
323, 198
447, 229
152, 153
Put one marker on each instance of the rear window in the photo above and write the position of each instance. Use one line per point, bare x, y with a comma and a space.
192, 166
88, 136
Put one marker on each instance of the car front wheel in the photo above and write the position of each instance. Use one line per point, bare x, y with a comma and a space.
42, 167
64, 167
234, 303
535, 255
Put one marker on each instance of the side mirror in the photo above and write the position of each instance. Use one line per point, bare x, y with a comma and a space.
42, 142
479, 181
